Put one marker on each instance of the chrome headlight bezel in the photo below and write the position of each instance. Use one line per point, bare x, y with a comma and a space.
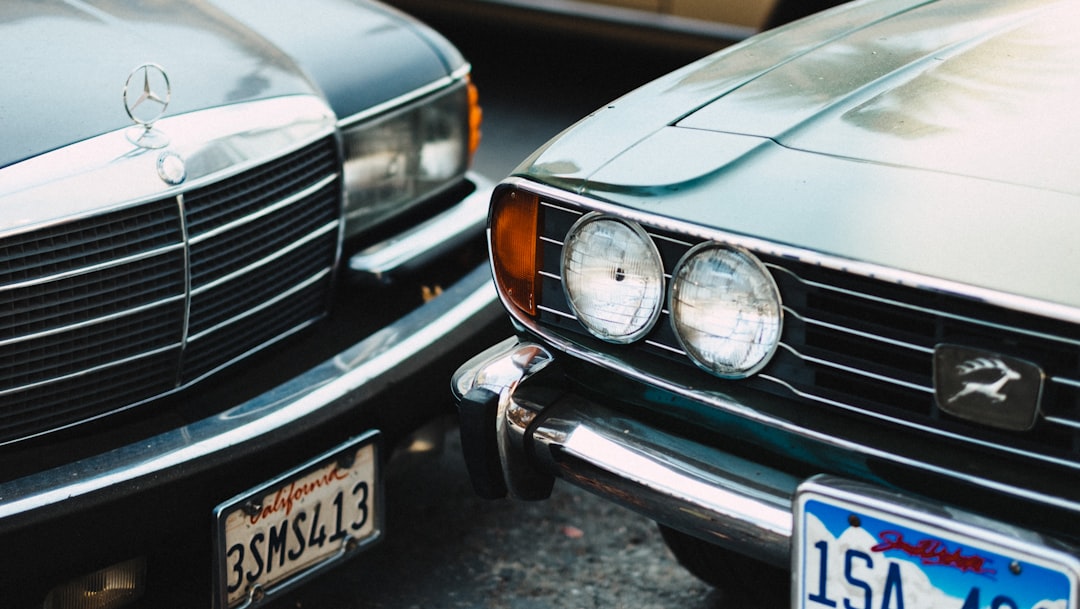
592, 303
405, 155
749, 288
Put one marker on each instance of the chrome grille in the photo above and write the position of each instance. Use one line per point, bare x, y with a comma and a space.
100, 313
855, 344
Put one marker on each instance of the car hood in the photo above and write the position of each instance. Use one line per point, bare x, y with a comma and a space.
69, 60
971, 88
849, 136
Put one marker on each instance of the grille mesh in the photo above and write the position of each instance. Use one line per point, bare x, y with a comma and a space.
860, 345
94, 312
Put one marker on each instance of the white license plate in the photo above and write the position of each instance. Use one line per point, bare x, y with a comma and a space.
856, 548
290, 527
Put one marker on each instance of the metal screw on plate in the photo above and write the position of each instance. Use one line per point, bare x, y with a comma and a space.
351, 544
1015, 568
346, 460
251, 508
257, 593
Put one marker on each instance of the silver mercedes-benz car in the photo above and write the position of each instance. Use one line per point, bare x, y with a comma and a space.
810, 303
240, 254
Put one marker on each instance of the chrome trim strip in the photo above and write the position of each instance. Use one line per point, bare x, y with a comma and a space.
181, 210
90, 322
1063, 422
380, 361
668, 348
946, 314
82, 372
853, 267
867, 335
269, 209
446, 82
551, 275
562, 314
929, 430
856, 371
261, 346
263, 305
576, 212
86, 270
280, 253
1066, 381
671, 240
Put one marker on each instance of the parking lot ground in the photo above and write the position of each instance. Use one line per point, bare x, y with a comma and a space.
448, 549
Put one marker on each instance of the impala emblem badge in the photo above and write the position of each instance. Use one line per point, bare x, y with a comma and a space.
986, 387
147, 93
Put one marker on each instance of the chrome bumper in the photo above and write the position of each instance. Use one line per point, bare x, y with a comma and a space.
698, 489
329, 390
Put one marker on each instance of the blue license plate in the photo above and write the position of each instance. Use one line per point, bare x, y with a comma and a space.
858, 548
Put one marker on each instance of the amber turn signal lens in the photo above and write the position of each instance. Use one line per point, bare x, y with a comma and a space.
476, 117
514, 246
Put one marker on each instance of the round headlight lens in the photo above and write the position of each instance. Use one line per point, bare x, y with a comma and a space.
613, 277
725, 309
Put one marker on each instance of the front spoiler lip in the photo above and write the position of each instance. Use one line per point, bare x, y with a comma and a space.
328, 390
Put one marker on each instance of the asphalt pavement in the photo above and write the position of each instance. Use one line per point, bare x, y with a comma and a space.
445, 548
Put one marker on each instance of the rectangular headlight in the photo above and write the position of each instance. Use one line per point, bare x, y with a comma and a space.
401, 158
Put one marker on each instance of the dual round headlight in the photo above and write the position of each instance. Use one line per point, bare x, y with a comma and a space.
724, 305
725, 308
613, 278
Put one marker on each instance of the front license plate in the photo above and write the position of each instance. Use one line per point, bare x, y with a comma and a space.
857, 548
290, 527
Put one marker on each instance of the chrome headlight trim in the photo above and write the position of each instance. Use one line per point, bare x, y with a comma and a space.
725, 310
619, 299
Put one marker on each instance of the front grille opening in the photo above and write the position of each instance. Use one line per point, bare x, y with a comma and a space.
42, 408
214, 206
83, 348
79, 244
885, 359
847, 388
264, 238
871, 317
100, 294
216, 349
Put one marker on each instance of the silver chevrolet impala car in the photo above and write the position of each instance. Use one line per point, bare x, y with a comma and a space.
811, 303
240, 254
